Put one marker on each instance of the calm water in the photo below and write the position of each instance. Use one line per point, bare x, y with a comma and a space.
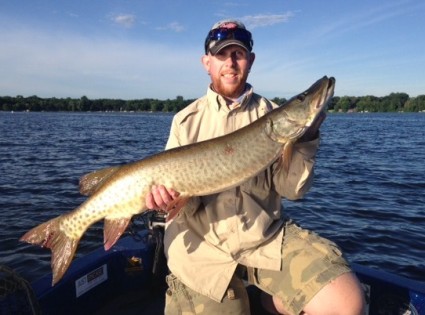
368, 194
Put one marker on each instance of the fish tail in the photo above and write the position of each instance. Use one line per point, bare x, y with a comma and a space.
62, 246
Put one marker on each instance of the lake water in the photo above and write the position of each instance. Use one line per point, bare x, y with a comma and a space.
368, 194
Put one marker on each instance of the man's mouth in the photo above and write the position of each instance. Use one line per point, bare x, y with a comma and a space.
229, 75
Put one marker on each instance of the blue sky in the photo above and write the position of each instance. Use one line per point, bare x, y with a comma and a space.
131, 49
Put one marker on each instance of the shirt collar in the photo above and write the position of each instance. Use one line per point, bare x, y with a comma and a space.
218, 101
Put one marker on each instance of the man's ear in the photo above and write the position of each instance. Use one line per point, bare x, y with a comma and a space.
205, 59
251, 59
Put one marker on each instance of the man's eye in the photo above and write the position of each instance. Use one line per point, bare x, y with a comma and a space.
241, 54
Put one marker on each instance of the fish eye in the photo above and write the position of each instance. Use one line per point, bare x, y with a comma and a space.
301, 97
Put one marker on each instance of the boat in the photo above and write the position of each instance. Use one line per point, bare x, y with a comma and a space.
130, 279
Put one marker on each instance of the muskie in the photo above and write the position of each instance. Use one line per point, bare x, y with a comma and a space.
198, 169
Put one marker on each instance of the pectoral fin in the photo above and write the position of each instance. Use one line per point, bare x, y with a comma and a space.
287, 156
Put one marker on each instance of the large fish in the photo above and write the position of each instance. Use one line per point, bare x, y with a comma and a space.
203, 168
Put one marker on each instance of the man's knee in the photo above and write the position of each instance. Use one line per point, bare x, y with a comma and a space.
343, 295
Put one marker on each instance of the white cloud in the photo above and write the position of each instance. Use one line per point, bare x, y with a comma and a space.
174, 26
73, 15
261, 20
125, 20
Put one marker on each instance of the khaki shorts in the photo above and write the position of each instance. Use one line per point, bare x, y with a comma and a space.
309, 262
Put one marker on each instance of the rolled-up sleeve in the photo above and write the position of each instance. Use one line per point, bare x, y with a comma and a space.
294, 184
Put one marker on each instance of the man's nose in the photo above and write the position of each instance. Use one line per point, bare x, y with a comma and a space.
231, 59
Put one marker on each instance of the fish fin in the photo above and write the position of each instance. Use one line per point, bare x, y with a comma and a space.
112, 231
175, 206
287, 156
91, 182
62, 246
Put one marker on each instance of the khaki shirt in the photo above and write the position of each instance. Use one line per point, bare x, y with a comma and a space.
215, 233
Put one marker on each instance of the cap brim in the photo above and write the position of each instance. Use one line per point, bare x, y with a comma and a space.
219, 46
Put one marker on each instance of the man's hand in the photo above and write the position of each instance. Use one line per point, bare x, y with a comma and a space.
313, 132
160, 197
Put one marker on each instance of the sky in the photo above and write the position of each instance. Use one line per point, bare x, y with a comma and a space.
135, 49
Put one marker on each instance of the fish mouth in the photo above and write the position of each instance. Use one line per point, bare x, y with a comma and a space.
331, 87
327, 94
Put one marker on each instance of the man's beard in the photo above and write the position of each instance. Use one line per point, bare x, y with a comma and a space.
230, 91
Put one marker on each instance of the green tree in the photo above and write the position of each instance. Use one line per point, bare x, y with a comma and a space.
156, 105
393, 102
343, 104
333, 102
367, 103
415, 104
84, 104
278, 100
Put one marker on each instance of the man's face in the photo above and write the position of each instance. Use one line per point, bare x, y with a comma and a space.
229, 70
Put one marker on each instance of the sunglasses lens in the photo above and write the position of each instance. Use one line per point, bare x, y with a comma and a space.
221, 34
226, 33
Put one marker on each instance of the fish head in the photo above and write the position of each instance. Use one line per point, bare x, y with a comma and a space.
295, 116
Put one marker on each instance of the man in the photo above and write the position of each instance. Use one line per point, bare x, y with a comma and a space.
220, 236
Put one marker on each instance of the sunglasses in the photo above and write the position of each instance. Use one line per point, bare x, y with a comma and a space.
220, 34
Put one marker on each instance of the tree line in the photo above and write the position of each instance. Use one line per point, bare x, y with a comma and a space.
395, 102
84, 104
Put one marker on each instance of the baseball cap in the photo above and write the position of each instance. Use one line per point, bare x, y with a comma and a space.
225, 33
